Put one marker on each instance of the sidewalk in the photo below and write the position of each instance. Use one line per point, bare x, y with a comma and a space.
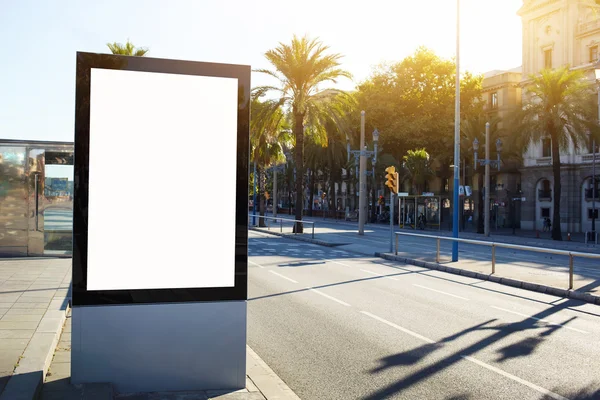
33, 304
261, 382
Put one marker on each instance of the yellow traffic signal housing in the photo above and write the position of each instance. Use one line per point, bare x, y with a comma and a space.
391, 179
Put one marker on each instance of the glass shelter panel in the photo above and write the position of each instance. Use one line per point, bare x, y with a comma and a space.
13, 201
58, 203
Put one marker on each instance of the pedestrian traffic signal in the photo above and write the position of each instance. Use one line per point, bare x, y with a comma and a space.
392, 179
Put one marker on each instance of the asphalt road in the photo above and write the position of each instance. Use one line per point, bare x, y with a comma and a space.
547, 269
337, 325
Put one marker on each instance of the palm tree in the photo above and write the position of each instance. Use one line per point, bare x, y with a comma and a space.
301, 67
128, 49
267, 133
418, 168
562, 107
471, 129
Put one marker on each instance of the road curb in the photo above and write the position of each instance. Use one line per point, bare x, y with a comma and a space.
266, 380
571, 294
28, 377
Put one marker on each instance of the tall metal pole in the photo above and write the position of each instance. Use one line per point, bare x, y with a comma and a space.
254, 197
362, 200
274, 192
594, 190
391, 220
486, 204
594, 178
456, 139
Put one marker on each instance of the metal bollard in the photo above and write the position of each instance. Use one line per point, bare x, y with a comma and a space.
493, 259
313, 230
396, 252
281, 226
570, 271
437, 255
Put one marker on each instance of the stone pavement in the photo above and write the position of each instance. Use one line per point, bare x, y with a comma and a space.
261, 382
33, 302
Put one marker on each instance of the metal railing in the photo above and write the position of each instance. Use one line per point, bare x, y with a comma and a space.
275, 219
493, 245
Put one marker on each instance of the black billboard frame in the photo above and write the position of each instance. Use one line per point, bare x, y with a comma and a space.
81, 296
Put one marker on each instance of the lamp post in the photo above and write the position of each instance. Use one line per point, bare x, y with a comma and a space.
374, 187
487, 163
362, 181
456, 139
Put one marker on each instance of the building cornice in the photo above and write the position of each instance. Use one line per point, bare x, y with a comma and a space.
533, 6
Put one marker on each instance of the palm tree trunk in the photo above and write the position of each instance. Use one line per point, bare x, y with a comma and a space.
556, 232
311, 187
299, 155
261, 196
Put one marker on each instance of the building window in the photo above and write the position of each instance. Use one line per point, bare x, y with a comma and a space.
590, 215
593, 53
546, 147
494, 100
548, 59
546, 212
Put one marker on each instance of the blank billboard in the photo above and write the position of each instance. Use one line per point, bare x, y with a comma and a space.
161, 186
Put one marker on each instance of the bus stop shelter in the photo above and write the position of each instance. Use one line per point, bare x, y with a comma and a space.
411, 207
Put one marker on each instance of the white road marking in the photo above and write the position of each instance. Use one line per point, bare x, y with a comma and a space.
336, 262
439, 291
281, 276
411, 333
539, 319
376, 274
516, 379
258, 265
329, 297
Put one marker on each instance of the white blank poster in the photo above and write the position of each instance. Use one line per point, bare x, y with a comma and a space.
162, 168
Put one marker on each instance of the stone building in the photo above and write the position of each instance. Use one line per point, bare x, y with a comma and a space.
558, 33
555, 33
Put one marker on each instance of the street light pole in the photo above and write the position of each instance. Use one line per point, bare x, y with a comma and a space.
486, 229
362, 200
275, 192
456, 139
374, 196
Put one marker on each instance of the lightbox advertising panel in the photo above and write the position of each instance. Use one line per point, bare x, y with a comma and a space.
161, 166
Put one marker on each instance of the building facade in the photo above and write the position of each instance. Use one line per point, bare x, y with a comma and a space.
558, 33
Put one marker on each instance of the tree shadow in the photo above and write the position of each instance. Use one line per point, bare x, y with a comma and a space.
500, 332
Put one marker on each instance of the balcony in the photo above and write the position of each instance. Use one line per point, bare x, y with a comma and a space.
592, 194
589, 26
544, 195
588, 158
543, 161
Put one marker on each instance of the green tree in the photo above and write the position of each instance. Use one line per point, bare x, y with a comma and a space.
561, 106
267, 133
417, 167
301, 68
127, 49
411, 102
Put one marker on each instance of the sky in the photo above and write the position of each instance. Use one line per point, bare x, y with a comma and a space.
41, 37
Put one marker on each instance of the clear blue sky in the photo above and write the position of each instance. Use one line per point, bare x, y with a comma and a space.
40, 39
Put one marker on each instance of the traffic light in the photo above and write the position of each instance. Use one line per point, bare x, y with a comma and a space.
392, 179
